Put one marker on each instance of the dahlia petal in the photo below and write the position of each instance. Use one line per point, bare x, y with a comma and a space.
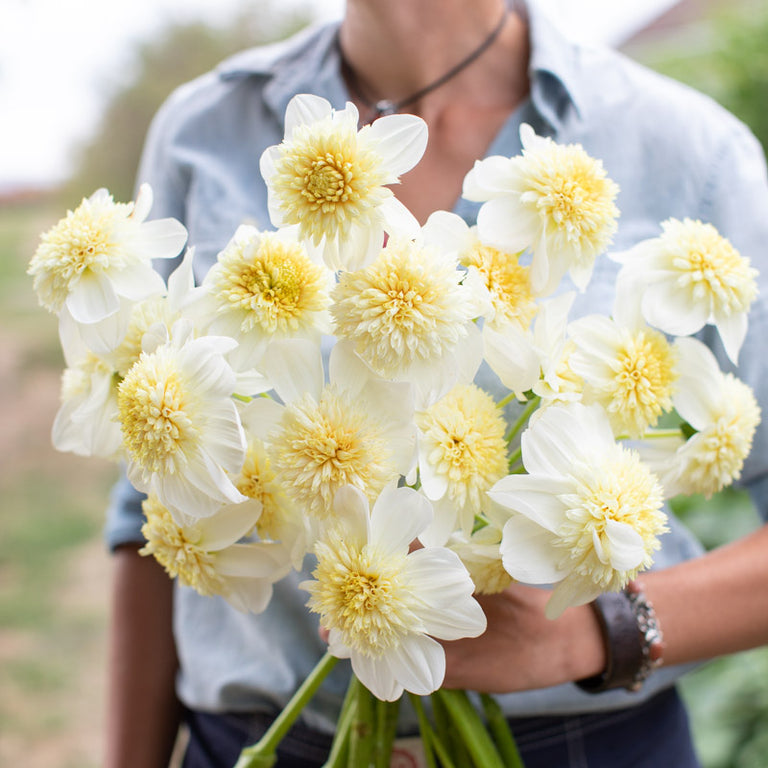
534, 496
529, 552
143, 203
443, 524
499, 226
449, 611
295, 368
489, 178
698, 389
376, 677
571, 591
249, 595
159, 239
418, 664
228, 525
398, 220
304, 109
92, 298
667, 308
137, 281
625, 546
512, 357
399, 515
733, 330
400, 140
260, 560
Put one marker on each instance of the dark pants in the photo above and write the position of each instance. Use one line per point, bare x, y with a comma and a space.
651, 735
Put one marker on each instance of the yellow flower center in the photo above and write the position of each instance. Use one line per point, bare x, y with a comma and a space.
361, 594
573, 197
177, 550
84, 240
716, 454
622, 490
275, 286
644, 376
403, 308
257, 480
708, 266
322, 446
463, 435
155, 408
328, 182
326, 178
507, 281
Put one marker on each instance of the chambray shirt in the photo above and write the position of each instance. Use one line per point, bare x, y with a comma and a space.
673, 152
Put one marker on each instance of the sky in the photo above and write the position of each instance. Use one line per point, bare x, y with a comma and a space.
59, 60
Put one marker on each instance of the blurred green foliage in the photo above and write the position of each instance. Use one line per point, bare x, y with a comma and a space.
724, 55
177, 55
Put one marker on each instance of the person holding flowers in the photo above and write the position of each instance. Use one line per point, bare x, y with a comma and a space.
498, 162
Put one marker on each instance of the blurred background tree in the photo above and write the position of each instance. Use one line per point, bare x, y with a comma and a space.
179, 54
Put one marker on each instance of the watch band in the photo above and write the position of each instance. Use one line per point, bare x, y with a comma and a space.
632, 637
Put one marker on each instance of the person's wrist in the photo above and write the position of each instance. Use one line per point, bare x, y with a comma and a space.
632, 640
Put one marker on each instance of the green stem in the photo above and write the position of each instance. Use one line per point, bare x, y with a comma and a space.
428, 738
466, 719
501, 732
264, 753
337, 757
515, 457
655, 434
361, 735
242, 398
505, 400
386, 728
447, 734
533, 404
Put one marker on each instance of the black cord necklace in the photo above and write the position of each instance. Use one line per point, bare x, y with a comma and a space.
388, 107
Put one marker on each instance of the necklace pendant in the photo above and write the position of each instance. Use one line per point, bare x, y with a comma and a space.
385, 107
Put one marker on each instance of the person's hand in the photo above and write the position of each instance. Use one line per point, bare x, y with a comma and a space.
522, 649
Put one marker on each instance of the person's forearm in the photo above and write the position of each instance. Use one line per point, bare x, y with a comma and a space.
143, 713
715, 604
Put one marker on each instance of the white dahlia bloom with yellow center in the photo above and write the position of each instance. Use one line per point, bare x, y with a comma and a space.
630, 371
181, 430
264, 286
691, 276
354, 430
462, 453
553, 199
331, 180
102, 252
205, 555
588, 514
722, 413
384, 606
408, 316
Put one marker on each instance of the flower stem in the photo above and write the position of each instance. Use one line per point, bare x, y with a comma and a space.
264, 753
467, 721
361, 734
386, 727
533, 404
501, 732
430, 740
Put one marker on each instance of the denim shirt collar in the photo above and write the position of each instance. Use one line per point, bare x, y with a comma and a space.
309, 63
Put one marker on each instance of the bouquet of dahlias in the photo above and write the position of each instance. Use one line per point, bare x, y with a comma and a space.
317, 394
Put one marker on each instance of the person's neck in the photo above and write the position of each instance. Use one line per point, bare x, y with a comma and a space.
396, 47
